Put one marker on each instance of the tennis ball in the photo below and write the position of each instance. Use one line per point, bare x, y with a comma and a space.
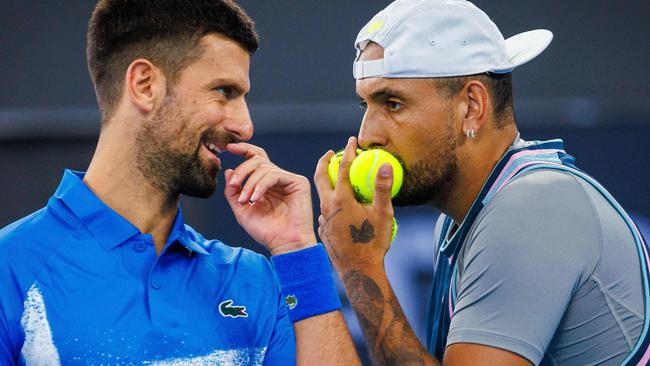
363, 172
333, 167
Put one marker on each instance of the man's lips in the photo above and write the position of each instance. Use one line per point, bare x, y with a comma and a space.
213, 152
214, 148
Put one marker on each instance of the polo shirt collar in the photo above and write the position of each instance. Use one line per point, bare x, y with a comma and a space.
179, 233
107, 226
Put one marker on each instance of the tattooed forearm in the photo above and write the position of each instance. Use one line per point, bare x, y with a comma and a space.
389, 336
399, 345
368, 303
363, 235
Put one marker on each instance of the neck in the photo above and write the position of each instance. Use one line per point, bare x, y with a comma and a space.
477, 159
115, 178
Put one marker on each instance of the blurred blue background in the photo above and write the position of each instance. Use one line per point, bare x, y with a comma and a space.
591, 87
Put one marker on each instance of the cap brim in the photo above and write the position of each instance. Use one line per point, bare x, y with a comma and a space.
524, 47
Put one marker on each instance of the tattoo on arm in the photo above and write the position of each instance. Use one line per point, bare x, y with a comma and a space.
363, 235
368, 300
389, 336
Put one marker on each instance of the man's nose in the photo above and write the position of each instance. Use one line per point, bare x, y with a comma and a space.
372, 132
239, 122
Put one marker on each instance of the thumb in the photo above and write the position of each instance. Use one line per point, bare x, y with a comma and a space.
383, 187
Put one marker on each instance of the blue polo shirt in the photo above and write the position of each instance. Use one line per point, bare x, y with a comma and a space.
80, 285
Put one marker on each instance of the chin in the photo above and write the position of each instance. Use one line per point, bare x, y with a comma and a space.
203, 191
201, 184
421, 193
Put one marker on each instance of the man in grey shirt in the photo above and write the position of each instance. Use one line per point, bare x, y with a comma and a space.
549, 270
536, 263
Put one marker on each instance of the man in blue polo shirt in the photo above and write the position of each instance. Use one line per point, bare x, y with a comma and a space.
108, 272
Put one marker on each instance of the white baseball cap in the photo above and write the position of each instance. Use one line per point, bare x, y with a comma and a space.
442, 38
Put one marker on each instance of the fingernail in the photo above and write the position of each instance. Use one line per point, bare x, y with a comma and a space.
233, 180
385, 170
241, 198
255, 196
350, 140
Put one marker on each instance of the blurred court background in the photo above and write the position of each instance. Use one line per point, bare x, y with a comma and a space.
591, 88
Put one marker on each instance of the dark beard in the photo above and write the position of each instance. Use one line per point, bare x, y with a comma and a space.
429, 181
169, 163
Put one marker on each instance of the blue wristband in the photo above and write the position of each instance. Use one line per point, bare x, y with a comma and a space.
307, 283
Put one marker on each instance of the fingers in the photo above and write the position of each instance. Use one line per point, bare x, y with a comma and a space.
246, 150
231, 192
321, 178
344, 189
241, 173
251, 179
252, 190
259, 180
383, 186
277, 179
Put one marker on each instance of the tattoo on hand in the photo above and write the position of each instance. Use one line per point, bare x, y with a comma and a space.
324, 233
330, 217
363, 235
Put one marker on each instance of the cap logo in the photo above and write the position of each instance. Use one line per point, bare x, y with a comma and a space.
375, 26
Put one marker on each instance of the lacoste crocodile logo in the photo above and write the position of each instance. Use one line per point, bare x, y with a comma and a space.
291, 301
227, 310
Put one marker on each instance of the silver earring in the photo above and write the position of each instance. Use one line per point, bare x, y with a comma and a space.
470, 133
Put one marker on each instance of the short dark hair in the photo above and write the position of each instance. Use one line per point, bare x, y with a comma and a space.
499, 86
166, 32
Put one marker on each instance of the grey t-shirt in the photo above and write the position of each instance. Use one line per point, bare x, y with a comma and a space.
550, 271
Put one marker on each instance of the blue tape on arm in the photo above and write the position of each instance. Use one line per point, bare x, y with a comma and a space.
307, 283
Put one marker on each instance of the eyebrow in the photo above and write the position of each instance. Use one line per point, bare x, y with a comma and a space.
385, 93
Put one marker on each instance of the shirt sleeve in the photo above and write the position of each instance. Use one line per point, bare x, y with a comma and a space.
6, 349
533, 245
282, 346
10, 311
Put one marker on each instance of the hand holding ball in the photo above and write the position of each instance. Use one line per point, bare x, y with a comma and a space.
363, 172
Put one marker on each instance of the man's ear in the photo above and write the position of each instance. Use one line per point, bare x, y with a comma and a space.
145, 85
475, 102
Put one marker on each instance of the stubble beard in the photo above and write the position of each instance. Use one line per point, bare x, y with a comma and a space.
429, 180
169, 159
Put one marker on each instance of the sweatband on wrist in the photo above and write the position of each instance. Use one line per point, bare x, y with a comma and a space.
306, 282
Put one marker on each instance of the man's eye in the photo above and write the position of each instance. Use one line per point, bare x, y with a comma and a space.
224, 90
394, 106
363, 105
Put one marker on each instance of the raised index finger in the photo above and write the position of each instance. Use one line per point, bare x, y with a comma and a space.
321, 177
343, 186
246, 150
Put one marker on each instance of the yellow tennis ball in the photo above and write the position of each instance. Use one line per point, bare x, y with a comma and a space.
366, 165
333, 167
393, 230
363, 172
